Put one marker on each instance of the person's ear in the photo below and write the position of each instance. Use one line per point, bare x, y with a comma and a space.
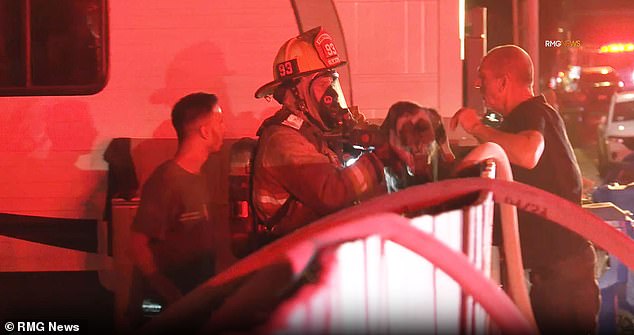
504, 81
204, 131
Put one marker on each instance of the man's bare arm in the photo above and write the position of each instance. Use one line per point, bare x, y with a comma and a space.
144, 259
523, 149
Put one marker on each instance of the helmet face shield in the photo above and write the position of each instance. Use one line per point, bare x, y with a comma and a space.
331, 103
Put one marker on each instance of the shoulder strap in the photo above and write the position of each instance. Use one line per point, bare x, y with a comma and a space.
284, 117
282, 211
280, 214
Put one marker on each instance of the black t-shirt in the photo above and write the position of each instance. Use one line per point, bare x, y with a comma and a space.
557, 170
174, 215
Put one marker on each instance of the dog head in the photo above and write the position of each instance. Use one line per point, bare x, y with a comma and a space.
418, 137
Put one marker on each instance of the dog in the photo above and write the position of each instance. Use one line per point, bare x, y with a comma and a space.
418, 138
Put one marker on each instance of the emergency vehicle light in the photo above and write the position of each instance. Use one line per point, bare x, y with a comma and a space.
603, 84
617, 47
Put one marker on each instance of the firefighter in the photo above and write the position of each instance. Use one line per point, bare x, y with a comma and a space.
297, 177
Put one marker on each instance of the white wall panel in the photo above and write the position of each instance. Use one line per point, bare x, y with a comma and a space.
160, 50
52, 147
403, 50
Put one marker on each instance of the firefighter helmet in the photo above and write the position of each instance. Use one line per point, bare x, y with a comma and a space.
310, 52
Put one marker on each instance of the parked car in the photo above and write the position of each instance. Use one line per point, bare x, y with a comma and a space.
616, 133
587, 85
584, 99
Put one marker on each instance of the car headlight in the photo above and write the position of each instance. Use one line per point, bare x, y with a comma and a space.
612, 139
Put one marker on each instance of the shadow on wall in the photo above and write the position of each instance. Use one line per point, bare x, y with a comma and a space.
184, 76
42, 145
71, 130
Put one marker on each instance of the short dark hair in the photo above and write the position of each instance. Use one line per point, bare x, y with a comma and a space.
189, 109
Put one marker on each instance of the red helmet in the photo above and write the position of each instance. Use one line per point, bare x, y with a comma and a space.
310, 52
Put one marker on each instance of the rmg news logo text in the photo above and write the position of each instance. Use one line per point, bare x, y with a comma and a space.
560, 43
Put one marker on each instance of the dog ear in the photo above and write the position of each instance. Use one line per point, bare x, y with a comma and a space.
441, 135
389, 123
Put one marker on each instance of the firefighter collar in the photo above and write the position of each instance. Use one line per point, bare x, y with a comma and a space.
293, 121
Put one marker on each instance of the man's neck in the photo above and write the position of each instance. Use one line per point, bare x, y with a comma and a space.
516, 99
191, 157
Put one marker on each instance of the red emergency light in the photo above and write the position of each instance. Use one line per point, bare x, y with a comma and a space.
617, 48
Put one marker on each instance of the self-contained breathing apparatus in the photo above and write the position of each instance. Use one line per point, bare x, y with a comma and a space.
243, 227
247, 231
312, 55
345, 129
354, 135
305, 62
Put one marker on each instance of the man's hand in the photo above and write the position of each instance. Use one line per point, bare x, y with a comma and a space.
165, 288
467, 117
143, 259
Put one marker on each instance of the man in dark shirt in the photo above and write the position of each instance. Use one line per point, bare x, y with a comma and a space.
564, 293
171, 240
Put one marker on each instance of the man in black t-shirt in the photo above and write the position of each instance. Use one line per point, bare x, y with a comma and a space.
171, 239
564, 292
